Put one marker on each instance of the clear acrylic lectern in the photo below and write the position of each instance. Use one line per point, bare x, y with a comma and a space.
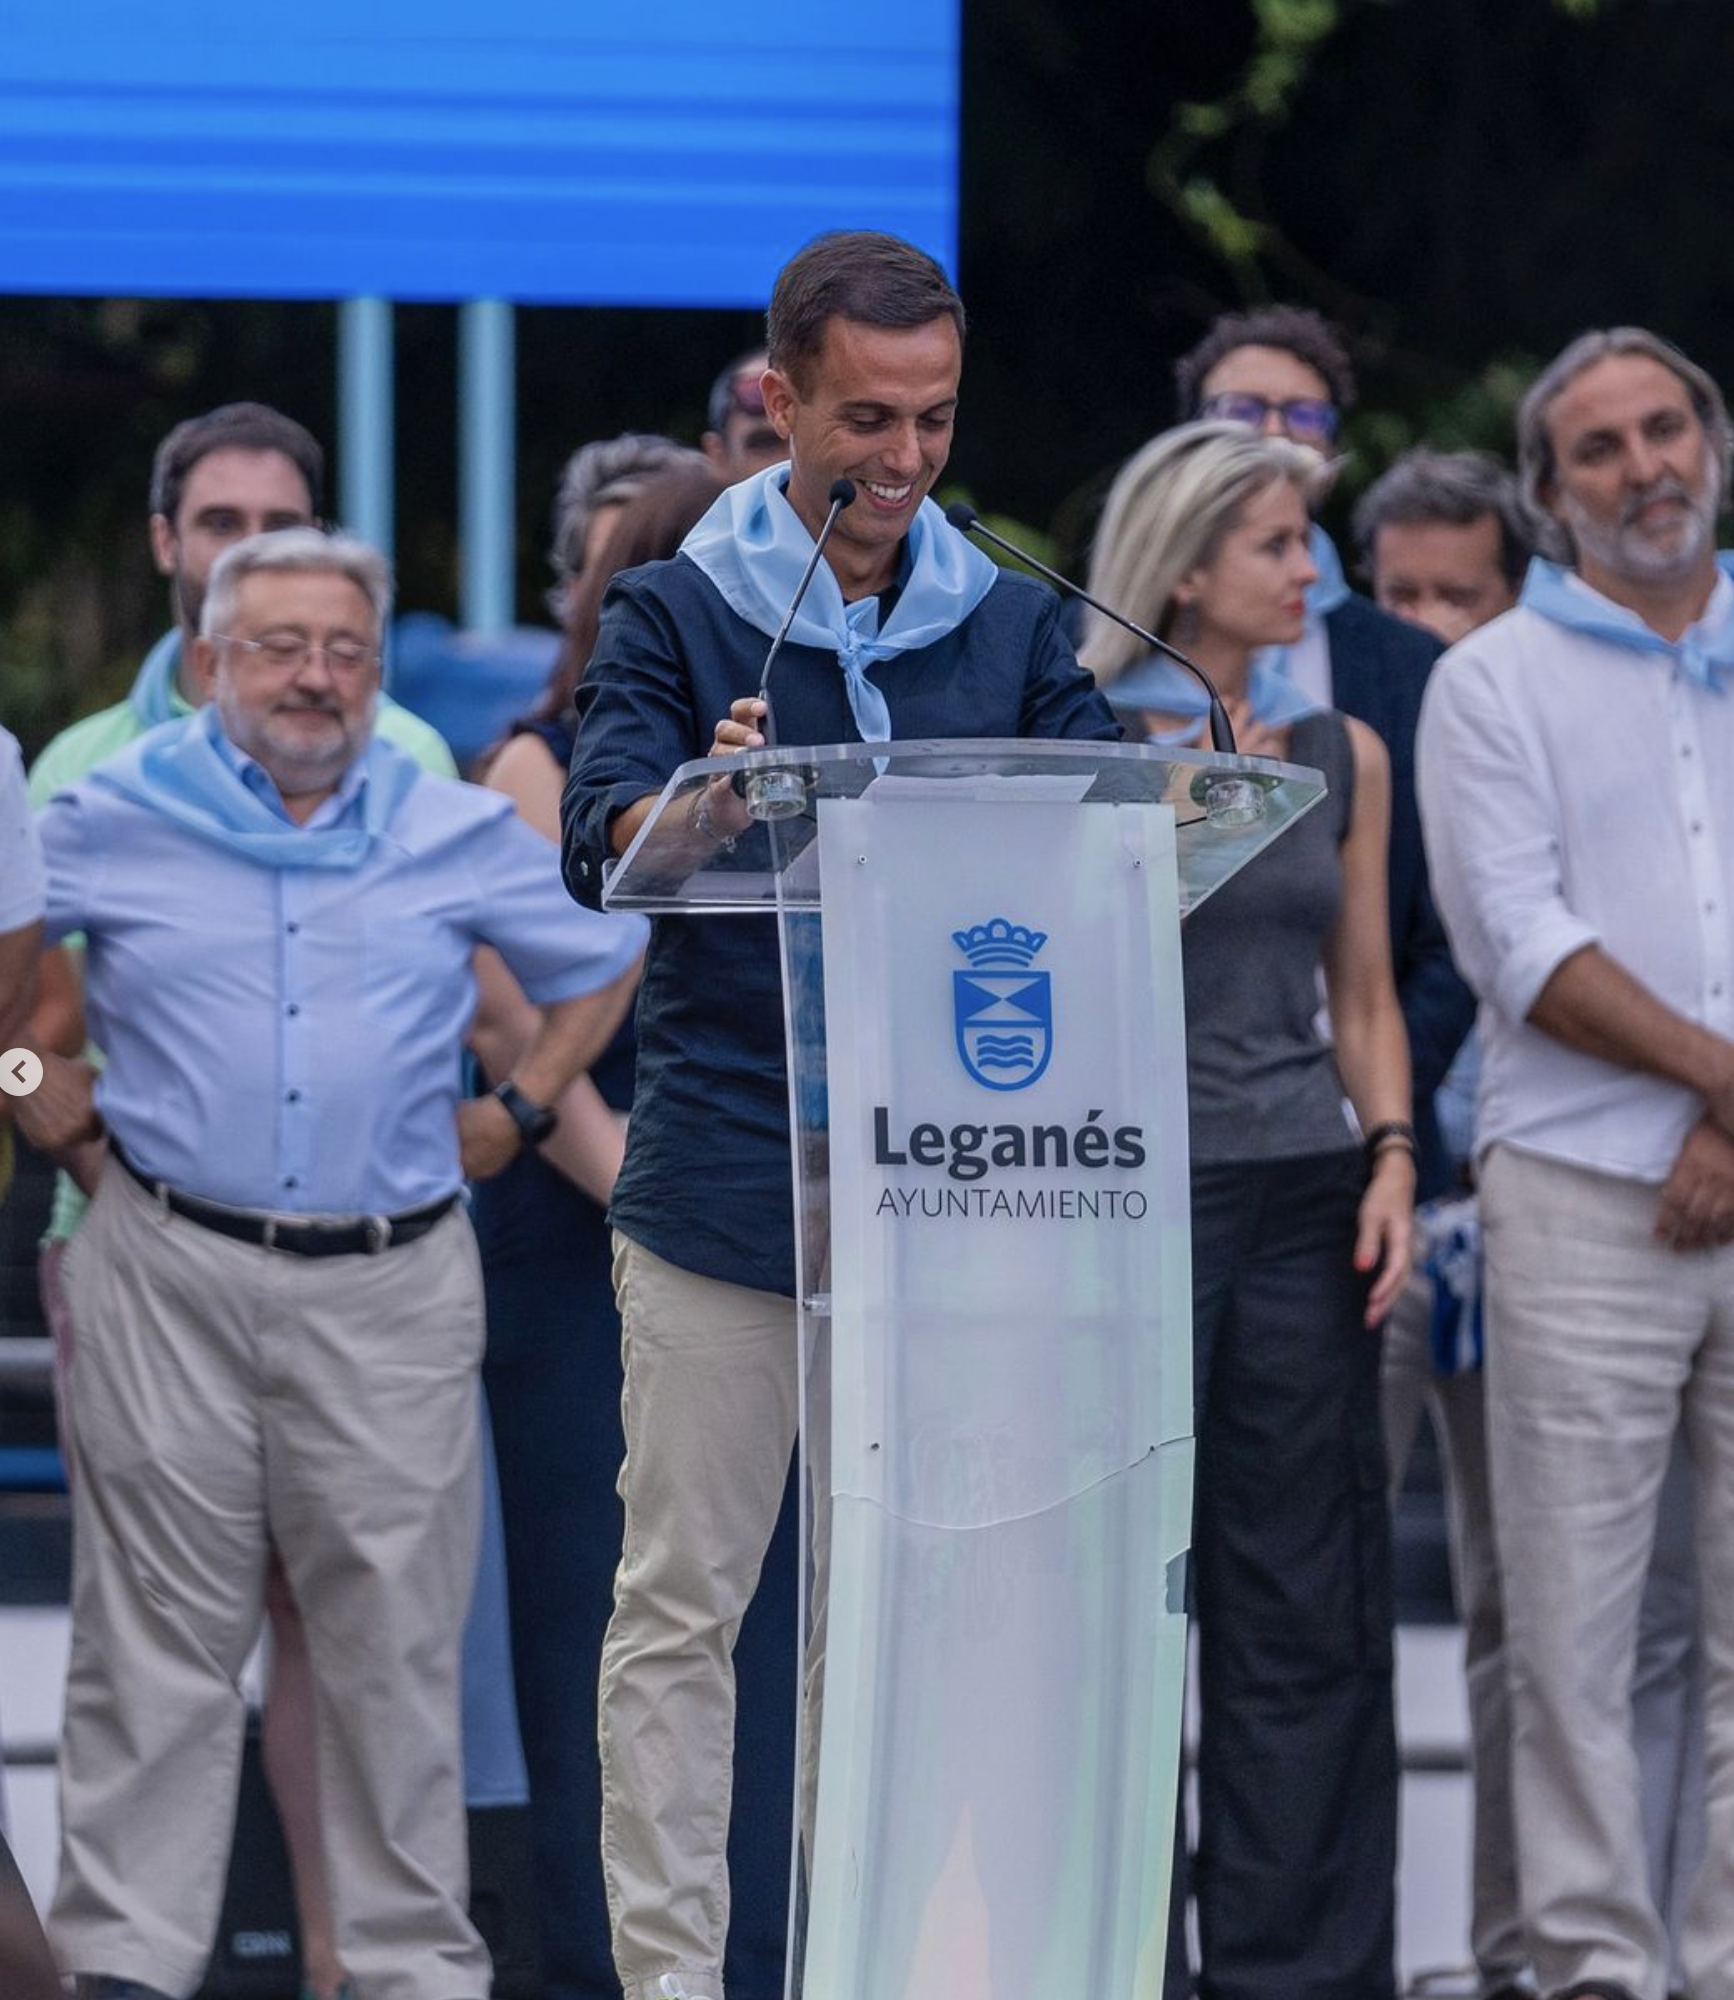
987, 1082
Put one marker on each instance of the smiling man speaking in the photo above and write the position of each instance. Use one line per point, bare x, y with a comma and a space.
906, 631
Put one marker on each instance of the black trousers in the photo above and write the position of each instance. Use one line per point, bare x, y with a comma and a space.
1293, 1874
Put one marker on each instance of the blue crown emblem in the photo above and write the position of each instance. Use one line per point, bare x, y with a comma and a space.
1003, 1015
999, 942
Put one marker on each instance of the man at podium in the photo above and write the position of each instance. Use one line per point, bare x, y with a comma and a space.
904, 631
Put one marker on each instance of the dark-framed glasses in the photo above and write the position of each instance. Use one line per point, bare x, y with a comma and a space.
289, 651
1309, 417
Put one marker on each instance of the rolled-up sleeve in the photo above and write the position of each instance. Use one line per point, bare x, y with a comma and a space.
636, 726
1490, 818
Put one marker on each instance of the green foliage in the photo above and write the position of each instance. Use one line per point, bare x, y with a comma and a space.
1291, 37
1290, 32
1461, 187
1202, 121
1296, 24
1237, 239
1476, 414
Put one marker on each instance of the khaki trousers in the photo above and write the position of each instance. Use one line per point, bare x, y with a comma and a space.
710, 1411
1601, 1343
230, 1397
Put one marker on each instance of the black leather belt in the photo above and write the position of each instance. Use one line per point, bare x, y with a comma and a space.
361, 1235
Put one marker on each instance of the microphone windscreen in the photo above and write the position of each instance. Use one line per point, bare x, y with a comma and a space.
961, 515
842, 493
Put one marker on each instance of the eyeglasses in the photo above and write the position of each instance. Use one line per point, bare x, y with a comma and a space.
1303, 416
285, 653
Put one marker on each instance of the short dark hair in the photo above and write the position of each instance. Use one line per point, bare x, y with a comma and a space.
1298, 330
233, 427
1457, 487
858, 274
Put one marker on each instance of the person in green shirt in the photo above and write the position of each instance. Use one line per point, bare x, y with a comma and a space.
236, 471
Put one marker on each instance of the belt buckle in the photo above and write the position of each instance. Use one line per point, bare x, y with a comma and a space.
377, 1230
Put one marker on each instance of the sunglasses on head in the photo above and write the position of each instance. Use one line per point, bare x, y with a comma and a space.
747, 396
1302, 416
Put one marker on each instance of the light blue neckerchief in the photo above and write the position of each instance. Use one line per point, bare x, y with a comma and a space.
1704, 652
753, 547
179, 770
1330, 587
1326, 591
155, 696
1158, 686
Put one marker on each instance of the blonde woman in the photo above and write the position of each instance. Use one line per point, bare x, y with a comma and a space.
1301, 1224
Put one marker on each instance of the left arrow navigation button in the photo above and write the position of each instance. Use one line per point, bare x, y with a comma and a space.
20, 1072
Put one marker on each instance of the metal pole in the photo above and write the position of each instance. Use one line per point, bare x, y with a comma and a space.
487, 464
364, 400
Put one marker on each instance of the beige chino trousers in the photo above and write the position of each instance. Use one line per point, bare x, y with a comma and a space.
710, 1406
231, 1397
1601, 1344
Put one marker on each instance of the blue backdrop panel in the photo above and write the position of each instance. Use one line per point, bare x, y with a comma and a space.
666, 152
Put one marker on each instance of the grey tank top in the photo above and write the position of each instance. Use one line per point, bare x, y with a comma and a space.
1263, 1084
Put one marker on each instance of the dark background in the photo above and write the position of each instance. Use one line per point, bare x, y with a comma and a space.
1463, 184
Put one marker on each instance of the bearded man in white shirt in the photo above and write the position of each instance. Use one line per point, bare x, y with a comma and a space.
1576, 771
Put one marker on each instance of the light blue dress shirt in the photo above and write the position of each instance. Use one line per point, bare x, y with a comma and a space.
289, 1038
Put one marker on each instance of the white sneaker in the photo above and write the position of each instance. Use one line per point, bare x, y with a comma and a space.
675, 1988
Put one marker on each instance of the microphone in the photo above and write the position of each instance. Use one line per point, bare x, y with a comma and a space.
782, 794
841, 495
967, 521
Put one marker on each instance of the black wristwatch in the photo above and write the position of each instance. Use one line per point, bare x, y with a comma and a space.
535, 1121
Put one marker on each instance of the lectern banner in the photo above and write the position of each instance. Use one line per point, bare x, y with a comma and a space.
1011, 1408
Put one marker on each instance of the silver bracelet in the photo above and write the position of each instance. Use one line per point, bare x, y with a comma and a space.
701, 821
